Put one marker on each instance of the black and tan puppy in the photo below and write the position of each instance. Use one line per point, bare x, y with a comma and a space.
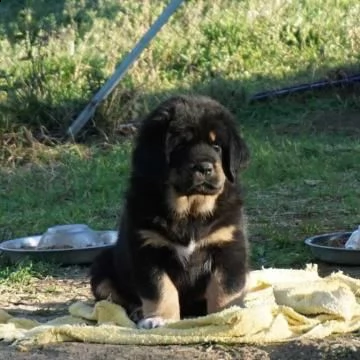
182, 247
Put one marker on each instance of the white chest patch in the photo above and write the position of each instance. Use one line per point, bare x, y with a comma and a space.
184, 252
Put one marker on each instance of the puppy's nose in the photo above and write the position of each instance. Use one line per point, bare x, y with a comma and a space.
205, 168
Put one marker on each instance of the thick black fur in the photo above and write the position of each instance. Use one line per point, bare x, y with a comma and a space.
171, 138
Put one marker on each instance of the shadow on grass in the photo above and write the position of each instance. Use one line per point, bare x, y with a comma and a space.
285, 115
46, 119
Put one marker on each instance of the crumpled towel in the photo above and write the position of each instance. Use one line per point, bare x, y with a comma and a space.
282, 305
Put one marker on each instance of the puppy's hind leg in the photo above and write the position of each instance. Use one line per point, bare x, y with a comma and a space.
228, 282
160, 301
108, 283
101, 274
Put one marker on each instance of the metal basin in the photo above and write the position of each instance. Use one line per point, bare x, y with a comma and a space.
331, 254
26, 248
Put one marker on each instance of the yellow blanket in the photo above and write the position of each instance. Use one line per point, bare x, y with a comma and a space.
282, 305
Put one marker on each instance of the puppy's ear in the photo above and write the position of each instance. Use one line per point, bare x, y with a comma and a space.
150, 153
236, 155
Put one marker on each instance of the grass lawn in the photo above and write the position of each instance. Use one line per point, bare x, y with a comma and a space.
304, 175
303, 180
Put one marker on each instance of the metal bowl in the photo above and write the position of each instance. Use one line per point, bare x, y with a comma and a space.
335, 255
26, 248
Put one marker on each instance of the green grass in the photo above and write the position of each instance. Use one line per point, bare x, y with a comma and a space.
23, 273
296, 186
56, 54
303, 177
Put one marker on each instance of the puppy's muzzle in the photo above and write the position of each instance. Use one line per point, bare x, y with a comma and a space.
203, 169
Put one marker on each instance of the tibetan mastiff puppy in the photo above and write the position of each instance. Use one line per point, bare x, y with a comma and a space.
182, 246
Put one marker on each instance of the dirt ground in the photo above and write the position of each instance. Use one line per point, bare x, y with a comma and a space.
50, 297
339, 349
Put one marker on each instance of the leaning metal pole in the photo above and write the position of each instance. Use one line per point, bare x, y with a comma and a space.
129, 59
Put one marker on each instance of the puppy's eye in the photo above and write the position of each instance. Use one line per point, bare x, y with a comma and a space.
217, 148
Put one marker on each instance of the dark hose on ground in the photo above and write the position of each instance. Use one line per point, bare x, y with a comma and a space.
305, 87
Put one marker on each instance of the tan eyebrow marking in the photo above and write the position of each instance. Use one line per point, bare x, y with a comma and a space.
212, 136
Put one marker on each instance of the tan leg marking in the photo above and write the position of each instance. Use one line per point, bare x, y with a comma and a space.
220, 236
154, 239
217, 299
105, 291
167, 306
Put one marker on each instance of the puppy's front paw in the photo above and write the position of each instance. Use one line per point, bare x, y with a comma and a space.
151, 322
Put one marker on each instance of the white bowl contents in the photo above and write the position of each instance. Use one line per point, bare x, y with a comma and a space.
68, 236
354, 240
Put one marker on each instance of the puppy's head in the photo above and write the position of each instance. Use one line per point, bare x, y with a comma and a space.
192, 143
